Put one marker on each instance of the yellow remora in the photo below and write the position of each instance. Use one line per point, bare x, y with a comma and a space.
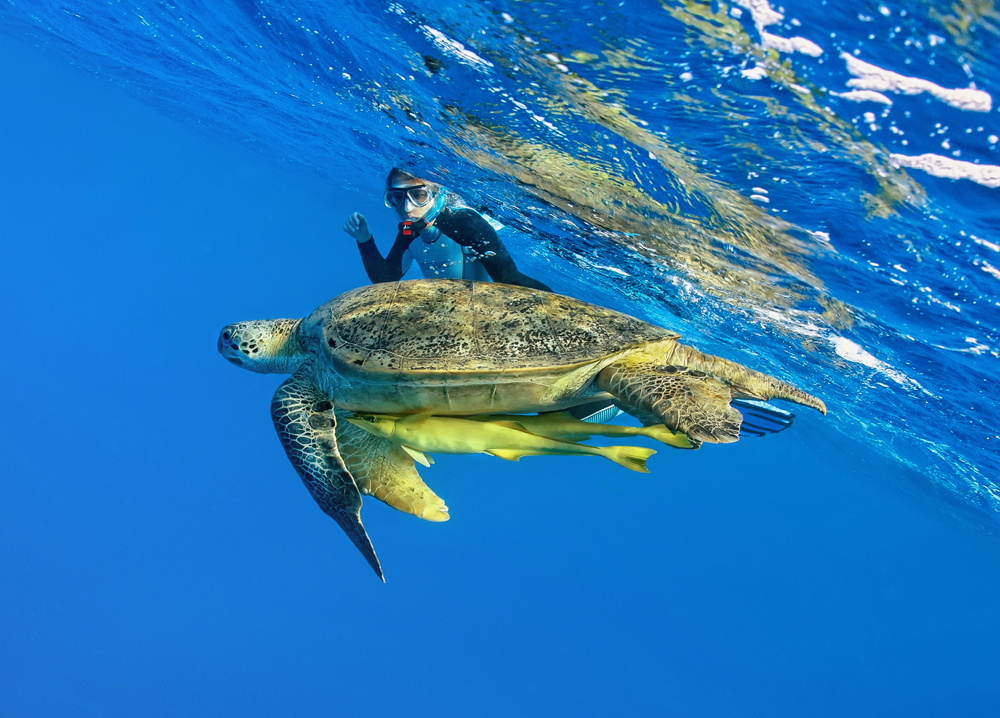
562, 426
422, 434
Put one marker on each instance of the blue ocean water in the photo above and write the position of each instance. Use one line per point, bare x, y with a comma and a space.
170, 168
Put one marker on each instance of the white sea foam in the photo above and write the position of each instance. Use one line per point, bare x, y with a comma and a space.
616, 270
988, 175
874, 78
863, 96
852, 352
456, 49
977, 348
762, 12
991, 270
797, 321
790, 44
757, 72
763, 15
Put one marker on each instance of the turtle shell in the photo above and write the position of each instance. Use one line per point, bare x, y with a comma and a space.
435, 325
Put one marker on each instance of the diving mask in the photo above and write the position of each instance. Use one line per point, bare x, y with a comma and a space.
419, 196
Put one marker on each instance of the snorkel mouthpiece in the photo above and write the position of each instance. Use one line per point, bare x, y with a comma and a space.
411, 228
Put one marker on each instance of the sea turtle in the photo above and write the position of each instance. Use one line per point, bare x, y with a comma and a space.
461, 348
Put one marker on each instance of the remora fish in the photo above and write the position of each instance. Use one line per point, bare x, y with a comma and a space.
422, 434
563, 426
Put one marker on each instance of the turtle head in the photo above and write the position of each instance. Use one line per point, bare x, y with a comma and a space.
265, 346
377, 424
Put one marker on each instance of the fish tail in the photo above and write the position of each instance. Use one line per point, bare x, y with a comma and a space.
631, 457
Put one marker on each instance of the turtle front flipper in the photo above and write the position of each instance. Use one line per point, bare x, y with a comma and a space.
306, 424
684, 399
383, 470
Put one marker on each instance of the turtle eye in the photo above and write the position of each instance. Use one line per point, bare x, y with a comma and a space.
370, 418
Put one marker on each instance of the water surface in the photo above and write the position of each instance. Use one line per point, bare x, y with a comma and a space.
170, 168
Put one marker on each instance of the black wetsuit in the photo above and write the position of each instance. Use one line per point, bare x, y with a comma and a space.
465, 227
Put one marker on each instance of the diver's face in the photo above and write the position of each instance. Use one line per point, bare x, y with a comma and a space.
409, 205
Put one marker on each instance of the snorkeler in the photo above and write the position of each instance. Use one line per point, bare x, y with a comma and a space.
458, 243
455, 242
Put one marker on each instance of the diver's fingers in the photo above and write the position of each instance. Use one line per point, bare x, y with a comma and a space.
357, 226
354, 222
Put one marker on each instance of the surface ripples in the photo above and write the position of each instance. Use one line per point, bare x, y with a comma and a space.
670, 159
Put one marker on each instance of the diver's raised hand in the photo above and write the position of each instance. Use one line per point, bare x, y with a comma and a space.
357, 226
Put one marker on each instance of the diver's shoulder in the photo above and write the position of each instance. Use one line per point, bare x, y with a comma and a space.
461, 217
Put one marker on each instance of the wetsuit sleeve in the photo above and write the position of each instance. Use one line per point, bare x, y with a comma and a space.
389, 269
469, 229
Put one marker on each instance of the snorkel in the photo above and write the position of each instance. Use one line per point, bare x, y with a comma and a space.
438, 207
423, 227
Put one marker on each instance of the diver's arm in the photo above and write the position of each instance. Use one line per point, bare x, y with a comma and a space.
389, 269
469, 229
406, 262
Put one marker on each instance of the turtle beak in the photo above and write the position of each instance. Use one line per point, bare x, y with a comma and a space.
228, 348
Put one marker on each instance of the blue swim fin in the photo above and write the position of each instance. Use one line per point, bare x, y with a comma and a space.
760, 418
595, 412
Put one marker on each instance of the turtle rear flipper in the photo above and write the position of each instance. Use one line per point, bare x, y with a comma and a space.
745, 383
306, 425
684, 399
382, 469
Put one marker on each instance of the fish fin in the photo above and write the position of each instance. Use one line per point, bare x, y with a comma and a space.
506, 420
512, 425
418, 456
506, 454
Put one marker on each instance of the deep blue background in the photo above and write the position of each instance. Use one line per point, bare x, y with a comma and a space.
158, 555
